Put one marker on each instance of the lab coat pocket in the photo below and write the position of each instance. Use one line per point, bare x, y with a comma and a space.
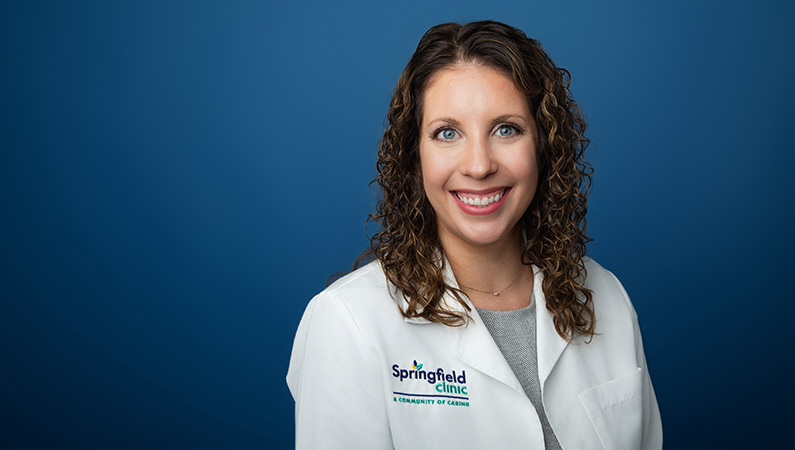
615, 409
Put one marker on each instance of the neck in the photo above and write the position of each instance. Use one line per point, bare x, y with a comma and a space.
491, 268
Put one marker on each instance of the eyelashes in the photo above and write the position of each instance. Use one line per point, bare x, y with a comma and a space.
450, 134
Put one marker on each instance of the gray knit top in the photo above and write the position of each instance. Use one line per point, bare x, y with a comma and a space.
514, 332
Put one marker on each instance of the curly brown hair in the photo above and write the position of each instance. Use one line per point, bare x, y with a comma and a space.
407, 245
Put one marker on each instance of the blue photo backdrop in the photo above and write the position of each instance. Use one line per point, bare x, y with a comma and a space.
179, 178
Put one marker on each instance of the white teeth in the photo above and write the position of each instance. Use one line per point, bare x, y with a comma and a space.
477, 201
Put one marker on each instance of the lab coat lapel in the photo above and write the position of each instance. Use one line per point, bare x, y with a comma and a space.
476, 348
475, 345
549, 344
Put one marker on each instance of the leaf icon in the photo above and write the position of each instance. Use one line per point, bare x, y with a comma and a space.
415, 363
419, 367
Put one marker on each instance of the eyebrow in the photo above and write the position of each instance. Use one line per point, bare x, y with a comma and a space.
447, 120
455, 123
505, 117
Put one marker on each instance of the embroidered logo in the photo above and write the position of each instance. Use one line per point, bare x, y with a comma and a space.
444, 388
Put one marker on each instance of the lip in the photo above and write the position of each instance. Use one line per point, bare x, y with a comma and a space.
494, 190
481, 210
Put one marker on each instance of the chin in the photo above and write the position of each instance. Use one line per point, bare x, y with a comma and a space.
485, 237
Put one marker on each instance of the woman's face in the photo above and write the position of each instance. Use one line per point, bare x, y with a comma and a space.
478, 155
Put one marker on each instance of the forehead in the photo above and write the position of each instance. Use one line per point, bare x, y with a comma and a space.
472, 91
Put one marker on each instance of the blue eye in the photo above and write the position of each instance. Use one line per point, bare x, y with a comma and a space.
505, 131
447, 134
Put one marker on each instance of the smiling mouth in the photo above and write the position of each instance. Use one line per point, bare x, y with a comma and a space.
480, 200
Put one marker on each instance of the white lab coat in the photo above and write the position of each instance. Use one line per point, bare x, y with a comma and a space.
352, 345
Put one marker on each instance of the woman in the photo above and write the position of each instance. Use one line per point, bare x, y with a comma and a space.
481, 323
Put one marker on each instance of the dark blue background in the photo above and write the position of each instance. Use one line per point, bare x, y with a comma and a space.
178, 178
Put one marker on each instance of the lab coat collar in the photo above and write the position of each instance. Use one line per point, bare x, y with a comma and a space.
475, 345
449, 300
549, 344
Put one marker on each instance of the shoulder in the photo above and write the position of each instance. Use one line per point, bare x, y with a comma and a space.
615, 347
363, 291
366, 278
610, 299
356, 301
342, 317
604, 283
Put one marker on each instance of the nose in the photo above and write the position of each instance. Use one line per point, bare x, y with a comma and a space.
477, 160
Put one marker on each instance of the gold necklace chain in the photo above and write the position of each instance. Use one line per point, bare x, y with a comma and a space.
495, 293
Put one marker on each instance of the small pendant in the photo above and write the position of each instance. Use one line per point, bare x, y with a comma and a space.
496, 293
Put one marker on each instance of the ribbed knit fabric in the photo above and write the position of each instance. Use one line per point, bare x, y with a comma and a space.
514, 332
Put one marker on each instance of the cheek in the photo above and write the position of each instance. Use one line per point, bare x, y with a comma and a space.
434, 180
432, 173
525, 164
